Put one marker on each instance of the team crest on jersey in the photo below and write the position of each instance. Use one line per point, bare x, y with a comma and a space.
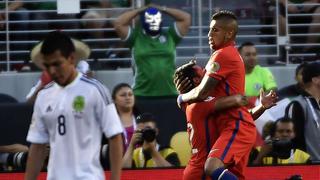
78, 104
213, 67
162, 39
257, 86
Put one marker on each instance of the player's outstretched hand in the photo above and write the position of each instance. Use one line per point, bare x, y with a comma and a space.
268, 100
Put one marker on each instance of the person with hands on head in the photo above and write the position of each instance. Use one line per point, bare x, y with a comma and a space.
144, 151
153, 47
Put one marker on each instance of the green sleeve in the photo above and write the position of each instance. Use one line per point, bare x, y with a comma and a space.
174, 34
269, 81
133, 32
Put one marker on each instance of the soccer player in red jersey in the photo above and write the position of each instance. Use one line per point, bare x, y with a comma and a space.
199, 127
234, 128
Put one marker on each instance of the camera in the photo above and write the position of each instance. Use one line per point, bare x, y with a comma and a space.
282, 148
17, 161
148, 134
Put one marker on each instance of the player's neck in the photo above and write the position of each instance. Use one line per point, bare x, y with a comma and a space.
72, 77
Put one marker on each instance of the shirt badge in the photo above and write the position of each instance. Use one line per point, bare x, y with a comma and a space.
213, 67
162, 39
78, 104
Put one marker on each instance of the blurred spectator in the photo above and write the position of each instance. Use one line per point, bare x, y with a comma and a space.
257, 77
302, 8
15, 8
293, 90
153, 47
150, 153
15, 5
82, 51
94, 18
304, 110
124, 100
279, 148
45, 17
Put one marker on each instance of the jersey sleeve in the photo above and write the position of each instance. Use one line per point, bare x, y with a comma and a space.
107, 115
175, 33
38, 132
132, 34
269, 81
219, 66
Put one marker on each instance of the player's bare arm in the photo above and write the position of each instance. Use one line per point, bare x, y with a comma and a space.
266, 101
200, 92
36, 156
223, 103
115, 154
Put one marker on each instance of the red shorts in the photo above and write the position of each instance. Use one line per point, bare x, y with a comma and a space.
194, 173
233, 145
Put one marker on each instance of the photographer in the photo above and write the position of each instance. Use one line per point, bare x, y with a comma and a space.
144, 151
280, 148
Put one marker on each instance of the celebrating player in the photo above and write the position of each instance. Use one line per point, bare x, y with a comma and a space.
200, 130
70, 114
234, 129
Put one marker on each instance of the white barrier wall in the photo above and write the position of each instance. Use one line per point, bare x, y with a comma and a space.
19, 84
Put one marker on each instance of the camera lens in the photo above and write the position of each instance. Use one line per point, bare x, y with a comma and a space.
148, 134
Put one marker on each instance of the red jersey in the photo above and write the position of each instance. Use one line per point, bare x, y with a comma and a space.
226, 65
200, 136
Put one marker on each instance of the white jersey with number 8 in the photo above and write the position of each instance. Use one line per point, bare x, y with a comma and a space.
72, 119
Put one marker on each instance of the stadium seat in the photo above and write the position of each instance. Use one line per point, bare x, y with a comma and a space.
180, 143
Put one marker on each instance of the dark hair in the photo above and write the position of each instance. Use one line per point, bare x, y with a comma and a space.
223, 14
299, 67
117, 88
135, 109
310, 70
247, 43
57, 40
146, 117
280, 120
226, 16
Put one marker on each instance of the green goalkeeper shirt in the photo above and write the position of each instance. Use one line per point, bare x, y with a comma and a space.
154, 61
260, 77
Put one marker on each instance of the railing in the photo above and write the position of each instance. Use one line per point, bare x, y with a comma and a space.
302, 31
24, 29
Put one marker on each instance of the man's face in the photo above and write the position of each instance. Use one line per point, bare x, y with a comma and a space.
59, 68
249, 55
284, 131
216, 35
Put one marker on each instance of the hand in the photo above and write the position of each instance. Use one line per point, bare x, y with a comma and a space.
136, 137
182, 82
149, 146
268, 100
241, 100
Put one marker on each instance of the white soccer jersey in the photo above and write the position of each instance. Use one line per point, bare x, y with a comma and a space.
72, 119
